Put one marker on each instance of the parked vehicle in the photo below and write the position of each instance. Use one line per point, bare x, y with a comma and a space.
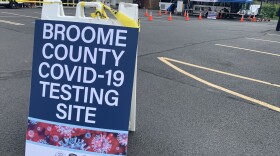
205, 9
254, 10
13, 4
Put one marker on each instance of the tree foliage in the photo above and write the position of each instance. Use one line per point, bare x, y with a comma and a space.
269, 10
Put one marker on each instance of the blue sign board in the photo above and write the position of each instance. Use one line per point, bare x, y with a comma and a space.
81, 89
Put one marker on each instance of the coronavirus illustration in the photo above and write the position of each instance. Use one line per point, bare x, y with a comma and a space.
123, 139
43, 141
101, 144
39, 129
65, 131
87, 135
73, 143
49, 128
77, 138
55, 138
32, 122
30, 134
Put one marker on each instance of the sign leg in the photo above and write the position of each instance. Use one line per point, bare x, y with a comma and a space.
132, 120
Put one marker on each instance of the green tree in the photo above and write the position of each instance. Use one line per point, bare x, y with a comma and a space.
269, 10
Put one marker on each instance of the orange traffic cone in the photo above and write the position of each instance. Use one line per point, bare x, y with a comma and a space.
146, 13
151, 17
165, 12
170, 17
199, 17
185, 13
242, 18
159, 13
254, 19
187, 17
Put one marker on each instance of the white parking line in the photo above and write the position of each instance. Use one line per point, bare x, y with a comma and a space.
148, 17
9, 22
20, 15
10, 16
257, 39
255, 51
273, 34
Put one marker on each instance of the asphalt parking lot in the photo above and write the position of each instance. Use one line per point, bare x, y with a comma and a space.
208, 87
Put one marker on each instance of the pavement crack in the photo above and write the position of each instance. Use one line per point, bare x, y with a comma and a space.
15, 74
158, 52
238, 99
167, 78
218, 93
266, 31
145, 71
15, 30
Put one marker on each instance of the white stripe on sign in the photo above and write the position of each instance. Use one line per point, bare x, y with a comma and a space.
20, 15
257, 39
255, 51
273, 34
9, 22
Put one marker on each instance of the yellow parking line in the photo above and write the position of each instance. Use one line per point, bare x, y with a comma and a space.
264, 104
257, 39
224, 73
255, 51
20, 15
9, 22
